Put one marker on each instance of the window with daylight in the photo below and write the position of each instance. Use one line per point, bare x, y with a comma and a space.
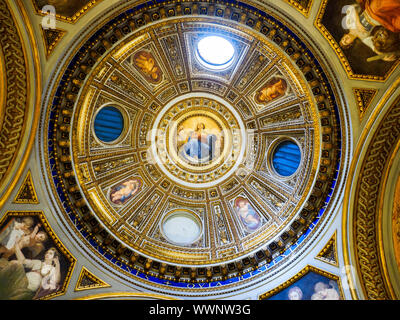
215, 52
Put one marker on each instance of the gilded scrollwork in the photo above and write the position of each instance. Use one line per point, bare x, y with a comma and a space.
14, 109
366, 207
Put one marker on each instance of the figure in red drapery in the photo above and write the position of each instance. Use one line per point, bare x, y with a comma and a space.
386, 12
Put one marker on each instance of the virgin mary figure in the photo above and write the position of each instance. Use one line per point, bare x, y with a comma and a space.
200, 145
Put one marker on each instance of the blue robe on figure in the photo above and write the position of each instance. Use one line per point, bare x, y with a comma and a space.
195, 148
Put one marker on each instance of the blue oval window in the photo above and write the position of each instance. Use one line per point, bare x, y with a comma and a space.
108, 124
286, 158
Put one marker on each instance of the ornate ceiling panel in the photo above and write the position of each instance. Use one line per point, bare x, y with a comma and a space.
19, 99
66, 10
367, 44
167, 168
366, 216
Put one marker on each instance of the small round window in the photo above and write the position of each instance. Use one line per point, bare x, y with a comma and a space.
286, 158
215, 52
108, 124
181, 228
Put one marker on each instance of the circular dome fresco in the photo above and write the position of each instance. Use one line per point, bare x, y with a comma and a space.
191, 192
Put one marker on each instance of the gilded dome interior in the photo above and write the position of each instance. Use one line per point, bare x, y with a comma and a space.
199, 149
198, 143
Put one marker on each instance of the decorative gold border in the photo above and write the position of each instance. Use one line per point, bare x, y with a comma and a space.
320, 256
300, 275
122, 50
381, 213
3, 86
36, 107
304, 10
349, 210
395, 221
58, 243
127, 296
343, 59
99, 283
28, 180
72, 19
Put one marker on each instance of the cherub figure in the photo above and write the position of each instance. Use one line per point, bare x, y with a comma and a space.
33, 240
147, 64
323, 291
125, 190
13, 233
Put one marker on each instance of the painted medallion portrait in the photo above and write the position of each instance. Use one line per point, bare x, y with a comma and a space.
32, 265
247, 214
147, 65
311, 286
367, 31
199, 139
273, 89
123, 191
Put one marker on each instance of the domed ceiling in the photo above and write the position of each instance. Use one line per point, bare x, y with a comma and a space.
199, 149
183, 173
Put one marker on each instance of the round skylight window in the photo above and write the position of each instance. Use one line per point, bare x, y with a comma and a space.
215, 52
181, 228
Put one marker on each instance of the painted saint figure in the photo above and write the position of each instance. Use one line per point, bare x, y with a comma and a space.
323, 291
146, 63
248, 216
22, 234
26, 279
125, 190
377, 25
275, 88
200, 144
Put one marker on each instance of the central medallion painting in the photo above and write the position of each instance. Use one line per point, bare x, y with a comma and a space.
199, 140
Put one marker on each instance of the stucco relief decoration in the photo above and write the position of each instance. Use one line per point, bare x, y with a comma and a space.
396, 224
